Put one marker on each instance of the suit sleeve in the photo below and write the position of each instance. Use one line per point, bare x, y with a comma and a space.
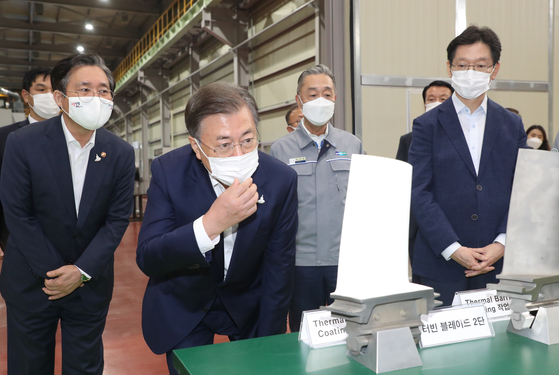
101, 249
279, 267
163, 246
432, 221
402, 153
17, 201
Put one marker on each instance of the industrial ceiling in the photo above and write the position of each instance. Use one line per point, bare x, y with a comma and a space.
41, 33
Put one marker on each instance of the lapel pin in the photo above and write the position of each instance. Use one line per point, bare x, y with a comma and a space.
103, 154
261, 200
97, 158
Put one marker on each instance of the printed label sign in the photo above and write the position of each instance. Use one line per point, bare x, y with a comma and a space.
455, 324
497, 307
319, 329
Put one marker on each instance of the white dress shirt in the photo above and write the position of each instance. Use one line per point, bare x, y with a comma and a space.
473, 127
31, 119
204, 242
318, 139
79, 158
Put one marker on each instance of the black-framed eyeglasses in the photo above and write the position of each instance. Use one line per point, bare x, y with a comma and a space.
87, 94
226, 149
478, 68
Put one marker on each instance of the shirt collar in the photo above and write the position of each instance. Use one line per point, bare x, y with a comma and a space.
70, 138
459, 105
312, 135
31, 119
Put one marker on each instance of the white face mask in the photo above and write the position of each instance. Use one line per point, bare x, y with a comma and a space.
92, 115
44, 105
471, 84
534, 142
318, 111
226, 170
430, 106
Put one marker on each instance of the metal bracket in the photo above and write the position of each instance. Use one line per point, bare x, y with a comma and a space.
378, 327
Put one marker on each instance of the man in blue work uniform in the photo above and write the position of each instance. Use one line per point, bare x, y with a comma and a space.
321, 156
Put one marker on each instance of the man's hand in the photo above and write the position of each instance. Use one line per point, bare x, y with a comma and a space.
62, 282
234, 205
469, 258
1, 254
493, 252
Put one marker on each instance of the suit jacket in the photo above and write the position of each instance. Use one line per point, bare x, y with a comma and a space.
183, 284
449, 201
45, 233
404, 147
4, 132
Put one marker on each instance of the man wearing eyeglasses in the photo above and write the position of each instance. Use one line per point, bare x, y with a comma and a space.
218, 235
463, 154
67, 191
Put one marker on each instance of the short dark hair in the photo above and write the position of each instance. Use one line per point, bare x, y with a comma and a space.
317, 69
60, 75
545, 143
474, 34
214, 99
513, 110
293, 107
437, 84
31, 75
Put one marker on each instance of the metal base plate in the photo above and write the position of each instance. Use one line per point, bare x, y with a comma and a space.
379, 355
545, 328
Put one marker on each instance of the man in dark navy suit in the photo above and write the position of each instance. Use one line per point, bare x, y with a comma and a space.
218, 235
67, 190
37, 94
463, 154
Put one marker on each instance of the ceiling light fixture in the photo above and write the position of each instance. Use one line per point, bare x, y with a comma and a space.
80, 48
88, 26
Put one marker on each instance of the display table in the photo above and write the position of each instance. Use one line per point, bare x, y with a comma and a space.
506, 353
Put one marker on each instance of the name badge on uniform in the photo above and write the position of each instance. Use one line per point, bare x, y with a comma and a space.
298, 160
341, 153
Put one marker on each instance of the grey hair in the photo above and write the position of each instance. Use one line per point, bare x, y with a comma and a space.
217, 98
60, 75
317, 69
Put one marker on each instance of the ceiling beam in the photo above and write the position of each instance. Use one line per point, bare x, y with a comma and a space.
52, 27
10, 61
15, 74
60, 48
128, 6
10, 85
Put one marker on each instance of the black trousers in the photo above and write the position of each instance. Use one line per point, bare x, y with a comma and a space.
313, 286
216, 322
32, 338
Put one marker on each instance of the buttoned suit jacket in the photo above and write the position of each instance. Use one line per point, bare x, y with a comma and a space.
4, 132
183, 283
449, 201
36, 189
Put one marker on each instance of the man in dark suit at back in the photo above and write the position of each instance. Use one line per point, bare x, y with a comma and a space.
218, 235
463, 155
67, 190
37, 94
433, 95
